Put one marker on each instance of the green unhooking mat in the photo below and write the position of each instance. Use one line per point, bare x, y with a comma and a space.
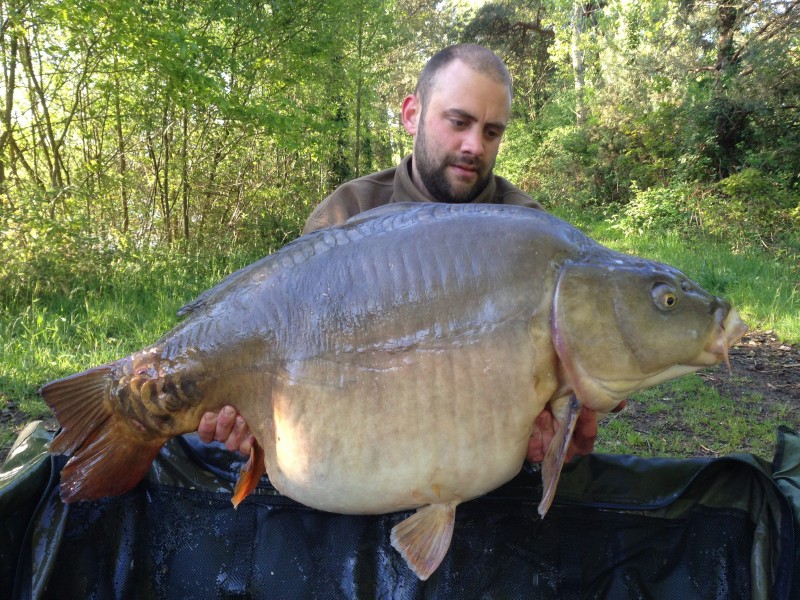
621, 527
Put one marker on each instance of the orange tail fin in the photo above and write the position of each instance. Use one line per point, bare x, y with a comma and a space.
108, 458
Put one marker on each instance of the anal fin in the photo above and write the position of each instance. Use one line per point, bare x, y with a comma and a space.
566, 411
250, 474
423, 538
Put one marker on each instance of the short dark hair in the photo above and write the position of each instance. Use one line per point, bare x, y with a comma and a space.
476, 57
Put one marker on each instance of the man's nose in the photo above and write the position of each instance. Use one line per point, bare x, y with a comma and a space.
472, 142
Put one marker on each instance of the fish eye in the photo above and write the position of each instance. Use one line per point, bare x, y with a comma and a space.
664, 296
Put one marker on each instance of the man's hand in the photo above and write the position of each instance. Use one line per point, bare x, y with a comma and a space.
583, 437
229, 427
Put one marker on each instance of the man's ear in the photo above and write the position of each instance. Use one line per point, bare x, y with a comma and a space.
412, 109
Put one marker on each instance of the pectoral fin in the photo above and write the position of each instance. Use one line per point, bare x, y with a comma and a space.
566, 411
424, 537
250, 474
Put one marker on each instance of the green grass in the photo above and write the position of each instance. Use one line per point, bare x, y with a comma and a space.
55, 334
687, 417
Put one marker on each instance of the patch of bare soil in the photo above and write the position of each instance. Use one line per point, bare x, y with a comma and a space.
762, 365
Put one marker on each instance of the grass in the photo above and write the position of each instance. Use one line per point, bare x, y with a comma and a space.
687, 417
56, 332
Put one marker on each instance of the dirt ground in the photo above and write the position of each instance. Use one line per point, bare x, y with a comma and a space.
766, 366
763, 364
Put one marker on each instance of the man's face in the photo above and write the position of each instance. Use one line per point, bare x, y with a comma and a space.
458, 133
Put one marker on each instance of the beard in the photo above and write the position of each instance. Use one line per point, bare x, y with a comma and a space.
432, 170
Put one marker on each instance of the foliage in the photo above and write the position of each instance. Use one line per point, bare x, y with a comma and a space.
556, 170
174, 121
672, 208
747, 208
676, 93
164, 123
753, 207
45, 254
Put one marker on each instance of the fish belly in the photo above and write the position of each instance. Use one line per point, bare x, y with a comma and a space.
363, 434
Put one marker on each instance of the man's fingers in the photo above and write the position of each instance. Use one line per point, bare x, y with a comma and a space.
226, 426
585, 434
238, 433
207, 427
246, 445
225, 422
541, 437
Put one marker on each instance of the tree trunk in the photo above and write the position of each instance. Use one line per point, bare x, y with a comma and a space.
578, 66
123, 165
11, 75
359, 90
49, 145
185, 174
166, 211
730, 115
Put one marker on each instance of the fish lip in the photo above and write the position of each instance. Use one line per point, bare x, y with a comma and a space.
730, 331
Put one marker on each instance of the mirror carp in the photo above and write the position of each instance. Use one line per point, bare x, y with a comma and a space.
398, 361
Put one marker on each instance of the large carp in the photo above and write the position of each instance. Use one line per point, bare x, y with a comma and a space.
398, 361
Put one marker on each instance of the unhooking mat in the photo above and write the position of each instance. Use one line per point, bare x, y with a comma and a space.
621, 528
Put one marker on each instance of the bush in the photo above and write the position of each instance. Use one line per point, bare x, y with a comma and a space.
554, 172
42, 252
753, 206
672, 208
746, 208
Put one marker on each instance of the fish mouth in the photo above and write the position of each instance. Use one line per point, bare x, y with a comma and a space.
730, 330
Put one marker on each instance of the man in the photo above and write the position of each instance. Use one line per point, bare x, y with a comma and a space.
456, 116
